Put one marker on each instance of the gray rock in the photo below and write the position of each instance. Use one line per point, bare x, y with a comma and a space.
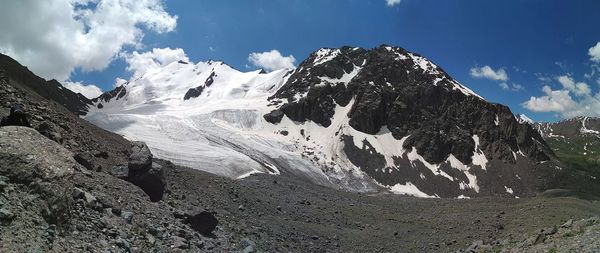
179, 242
32, 156
86, 160
120, 171
6, 215
143, 173
140, 157
89, 199
248, 245
128, 216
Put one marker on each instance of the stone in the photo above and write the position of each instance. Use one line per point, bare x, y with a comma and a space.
203, 222
120, 171
6, 215
145, 174
247, 245
50, 131
127, 216
33, 157
274, 117
89, 199
140, 157
179, 242
86, 160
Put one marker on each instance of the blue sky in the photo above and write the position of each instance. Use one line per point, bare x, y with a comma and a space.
532, 42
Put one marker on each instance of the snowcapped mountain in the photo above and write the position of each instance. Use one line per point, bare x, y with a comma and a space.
523, 119
350, 118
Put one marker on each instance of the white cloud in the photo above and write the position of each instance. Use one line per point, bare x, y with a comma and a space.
561, 101
554, 101
88, 90
272, 60
594, 53
140, 63
392, 2
512, 87
579, 88
489, 73
53, 38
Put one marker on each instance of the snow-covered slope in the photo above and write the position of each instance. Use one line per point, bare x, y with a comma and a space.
349, 118
221, 131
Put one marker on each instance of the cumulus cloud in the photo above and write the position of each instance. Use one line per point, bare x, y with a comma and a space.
511, 87
594, 53
579, 88
272, 60
140, 63
488, 72
392, 2
56, 37
561, 101
88, 90
554, 101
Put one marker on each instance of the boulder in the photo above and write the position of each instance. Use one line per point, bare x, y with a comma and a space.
120, 171
204, 222
86, 160
143, 173
28, 156
140, 157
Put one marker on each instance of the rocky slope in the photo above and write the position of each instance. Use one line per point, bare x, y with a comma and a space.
52, 90
348, 118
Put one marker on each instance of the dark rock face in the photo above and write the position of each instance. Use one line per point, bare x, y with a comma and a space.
197, 91
143, 173
117, 93
410, 96
193, 92
209, 81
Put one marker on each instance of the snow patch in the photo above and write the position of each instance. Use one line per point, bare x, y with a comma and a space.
411, 190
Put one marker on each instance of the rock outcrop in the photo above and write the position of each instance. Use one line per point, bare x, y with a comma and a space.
145, 174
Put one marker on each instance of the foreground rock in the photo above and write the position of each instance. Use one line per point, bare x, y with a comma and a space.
143, 173
37, 181
572, 236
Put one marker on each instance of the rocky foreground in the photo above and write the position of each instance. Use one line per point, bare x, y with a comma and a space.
50, 203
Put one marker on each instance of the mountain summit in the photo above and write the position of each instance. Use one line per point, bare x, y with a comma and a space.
347, 118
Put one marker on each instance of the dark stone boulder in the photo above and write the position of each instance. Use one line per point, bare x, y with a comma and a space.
143, 173
204, 222
274, 116
86, 160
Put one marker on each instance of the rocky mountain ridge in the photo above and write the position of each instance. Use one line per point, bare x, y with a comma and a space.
353, 118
